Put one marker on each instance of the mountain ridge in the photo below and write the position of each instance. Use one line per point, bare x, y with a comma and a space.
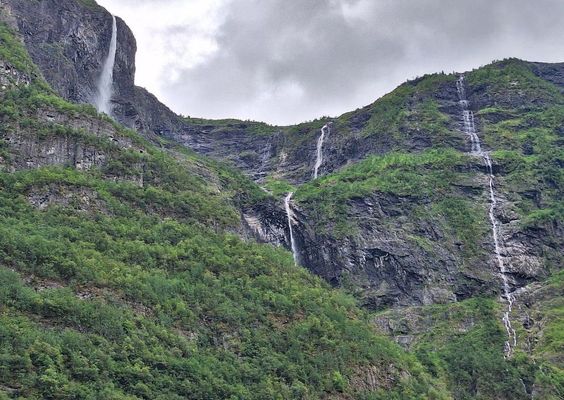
135, 107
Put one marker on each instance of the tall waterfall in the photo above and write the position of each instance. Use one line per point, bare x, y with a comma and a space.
291, 221
470, 130
106, 81
319, 160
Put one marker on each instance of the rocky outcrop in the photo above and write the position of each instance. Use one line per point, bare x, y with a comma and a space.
80, 199
50, 137
266, 223
68, 40
553, 73
11, 77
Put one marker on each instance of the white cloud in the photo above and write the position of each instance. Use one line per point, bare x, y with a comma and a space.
286, 61
171, 35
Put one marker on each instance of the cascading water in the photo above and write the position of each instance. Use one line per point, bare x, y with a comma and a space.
106, 81
291, 221
319, 160
470, 130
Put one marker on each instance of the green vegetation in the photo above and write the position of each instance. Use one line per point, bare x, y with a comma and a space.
462, 220
465, 346
548, 312
428, 175
122, 281
278, 188
115, 289
11, 51
252, 127
398, 173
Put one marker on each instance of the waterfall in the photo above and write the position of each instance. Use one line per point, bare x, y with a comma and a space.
291, 221
106, 81
319, 159
468, 118
470, 130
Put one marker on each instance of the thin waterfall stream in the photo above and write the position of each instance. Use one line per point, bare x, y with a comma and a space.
470, 130
319, 160
291, 221
106, 81
288, 200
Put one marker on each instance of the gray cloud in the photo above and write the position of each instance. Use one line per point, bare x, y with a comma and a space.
287, 61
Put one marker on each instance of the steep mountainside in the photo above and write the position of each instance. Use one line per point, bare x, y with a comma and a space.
467, 202
412, 226
120, 278
69, 41
438, 207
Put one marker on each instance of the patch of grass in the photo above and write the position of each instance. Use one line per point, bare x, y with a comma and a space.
278, 187
465, 222
12, 51
428, 174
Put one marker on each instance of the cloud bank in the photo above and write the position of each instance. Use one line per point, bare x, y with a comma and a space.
286, 61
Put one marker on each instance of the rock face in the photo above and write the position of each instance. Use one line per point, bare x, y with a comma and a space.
385, 268
65, 149
80, 199
69, 41
553, 73
266, 223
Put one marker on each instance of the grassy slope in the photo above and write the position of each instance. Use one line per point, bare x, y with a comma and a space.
526, 139
463, 343
129, 292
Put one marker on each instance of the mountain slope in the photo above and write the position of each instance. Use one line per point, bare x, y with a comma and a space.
414, 228
401, 217
416, 222
120, 279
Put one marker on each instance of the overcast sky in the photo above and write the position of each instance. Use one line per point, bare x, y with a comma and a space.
287, 61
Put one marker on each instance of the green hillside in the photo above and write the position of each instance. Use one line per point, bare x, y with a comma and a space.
120, 279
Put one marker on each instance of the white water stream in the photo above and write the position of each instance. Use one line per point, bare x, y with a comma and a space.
319, 160
291, 221
470, 130
106, 81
